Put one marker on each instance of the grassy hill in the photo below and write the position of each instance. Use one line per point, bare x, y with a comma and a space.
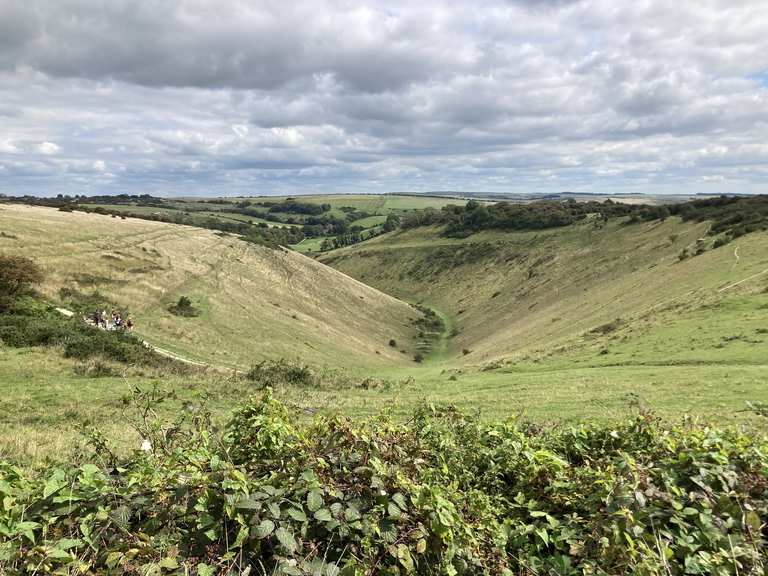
254, 302
514, 296
585, 321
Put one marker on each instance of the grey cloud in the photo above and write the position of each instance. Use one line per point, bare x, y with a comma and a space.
192, 97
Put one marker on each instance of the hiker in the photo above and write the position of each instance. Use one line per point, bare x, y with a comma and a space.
118, 322
129, 324
96, 319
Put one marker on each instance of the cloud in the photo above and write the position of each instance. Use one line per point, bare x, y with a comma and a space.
189, 97
48, 148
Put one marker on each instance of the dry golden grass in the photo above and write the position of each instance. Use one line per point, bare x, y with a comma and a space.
255, 302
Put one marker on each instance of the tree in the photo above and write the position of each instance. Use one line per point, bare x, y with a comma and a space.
17, 275
391, 223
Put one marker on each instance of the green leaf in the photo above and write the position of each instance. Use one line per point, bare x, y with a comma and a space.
26, 529
315, 500
67, 543
113, 559
58, 554
753, 521
388, 530
297, 514
274, 509
421, 546
56, 482
242, 534
323, 515
404, 556
351, 514
394, 510
286, 539
205, 570
169, 563
264, 529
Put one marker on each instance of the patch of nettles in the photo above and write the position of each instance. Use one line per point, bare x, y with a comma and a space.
439, 494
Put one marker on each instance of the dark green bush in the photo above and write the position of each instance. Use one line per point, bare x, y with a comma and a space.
32, 323
440, 494
272, 372
184, 307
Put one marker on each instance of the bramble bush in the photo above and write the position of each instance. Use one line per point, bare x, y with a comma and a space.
439, 494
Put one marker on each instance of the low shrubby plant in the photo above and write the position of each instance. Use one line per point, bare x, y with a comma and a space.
440, 494
184, 307
292, 372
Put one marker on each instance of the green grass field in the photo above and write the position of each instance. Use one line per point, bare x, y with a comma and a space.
583, 322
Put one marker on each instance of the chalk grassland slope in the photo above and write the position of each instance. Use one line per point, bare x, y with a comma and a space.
580, 292
255, 302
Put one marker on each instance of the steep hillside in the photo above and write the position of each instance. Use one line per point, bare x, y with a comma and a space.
255, 302
518, 296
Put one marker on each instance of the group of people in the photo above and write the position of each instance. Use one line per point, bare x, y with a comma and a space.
116, 322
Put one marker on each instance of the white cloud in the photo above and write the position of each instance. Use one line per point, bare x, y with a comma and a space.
501, 95
48, 148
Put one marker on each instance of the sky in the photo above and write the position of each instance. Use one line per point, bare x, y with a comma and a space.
227, 97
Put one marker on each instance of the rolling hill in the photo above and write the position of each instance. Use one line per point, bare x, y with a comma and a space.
256, 303
606, 293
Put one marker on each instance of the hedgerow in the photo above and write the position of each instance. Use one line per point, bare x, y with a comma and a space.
439, 494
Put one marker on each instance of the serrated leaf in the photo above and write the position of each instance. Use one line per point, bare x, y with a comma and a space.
113, 559
67, 543
247, 503
399, 499
315, 500
264, 529
58, 554
323, 515
394, 510
274, 509
388, 530
242, 534
351, 514
404, 556
286, 539
297, 514
421, 546
753, 521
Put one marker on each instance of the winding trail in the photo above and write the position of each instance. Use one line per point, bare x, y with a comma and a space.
744, 280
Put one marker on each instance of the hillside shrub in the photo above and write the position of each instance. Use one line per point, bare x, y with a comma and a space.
30, 322
441, 493
184, 308
17, 276
271, 372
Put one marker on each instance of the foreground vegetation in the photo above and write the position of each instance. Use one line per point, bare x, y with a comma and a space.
442, 493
